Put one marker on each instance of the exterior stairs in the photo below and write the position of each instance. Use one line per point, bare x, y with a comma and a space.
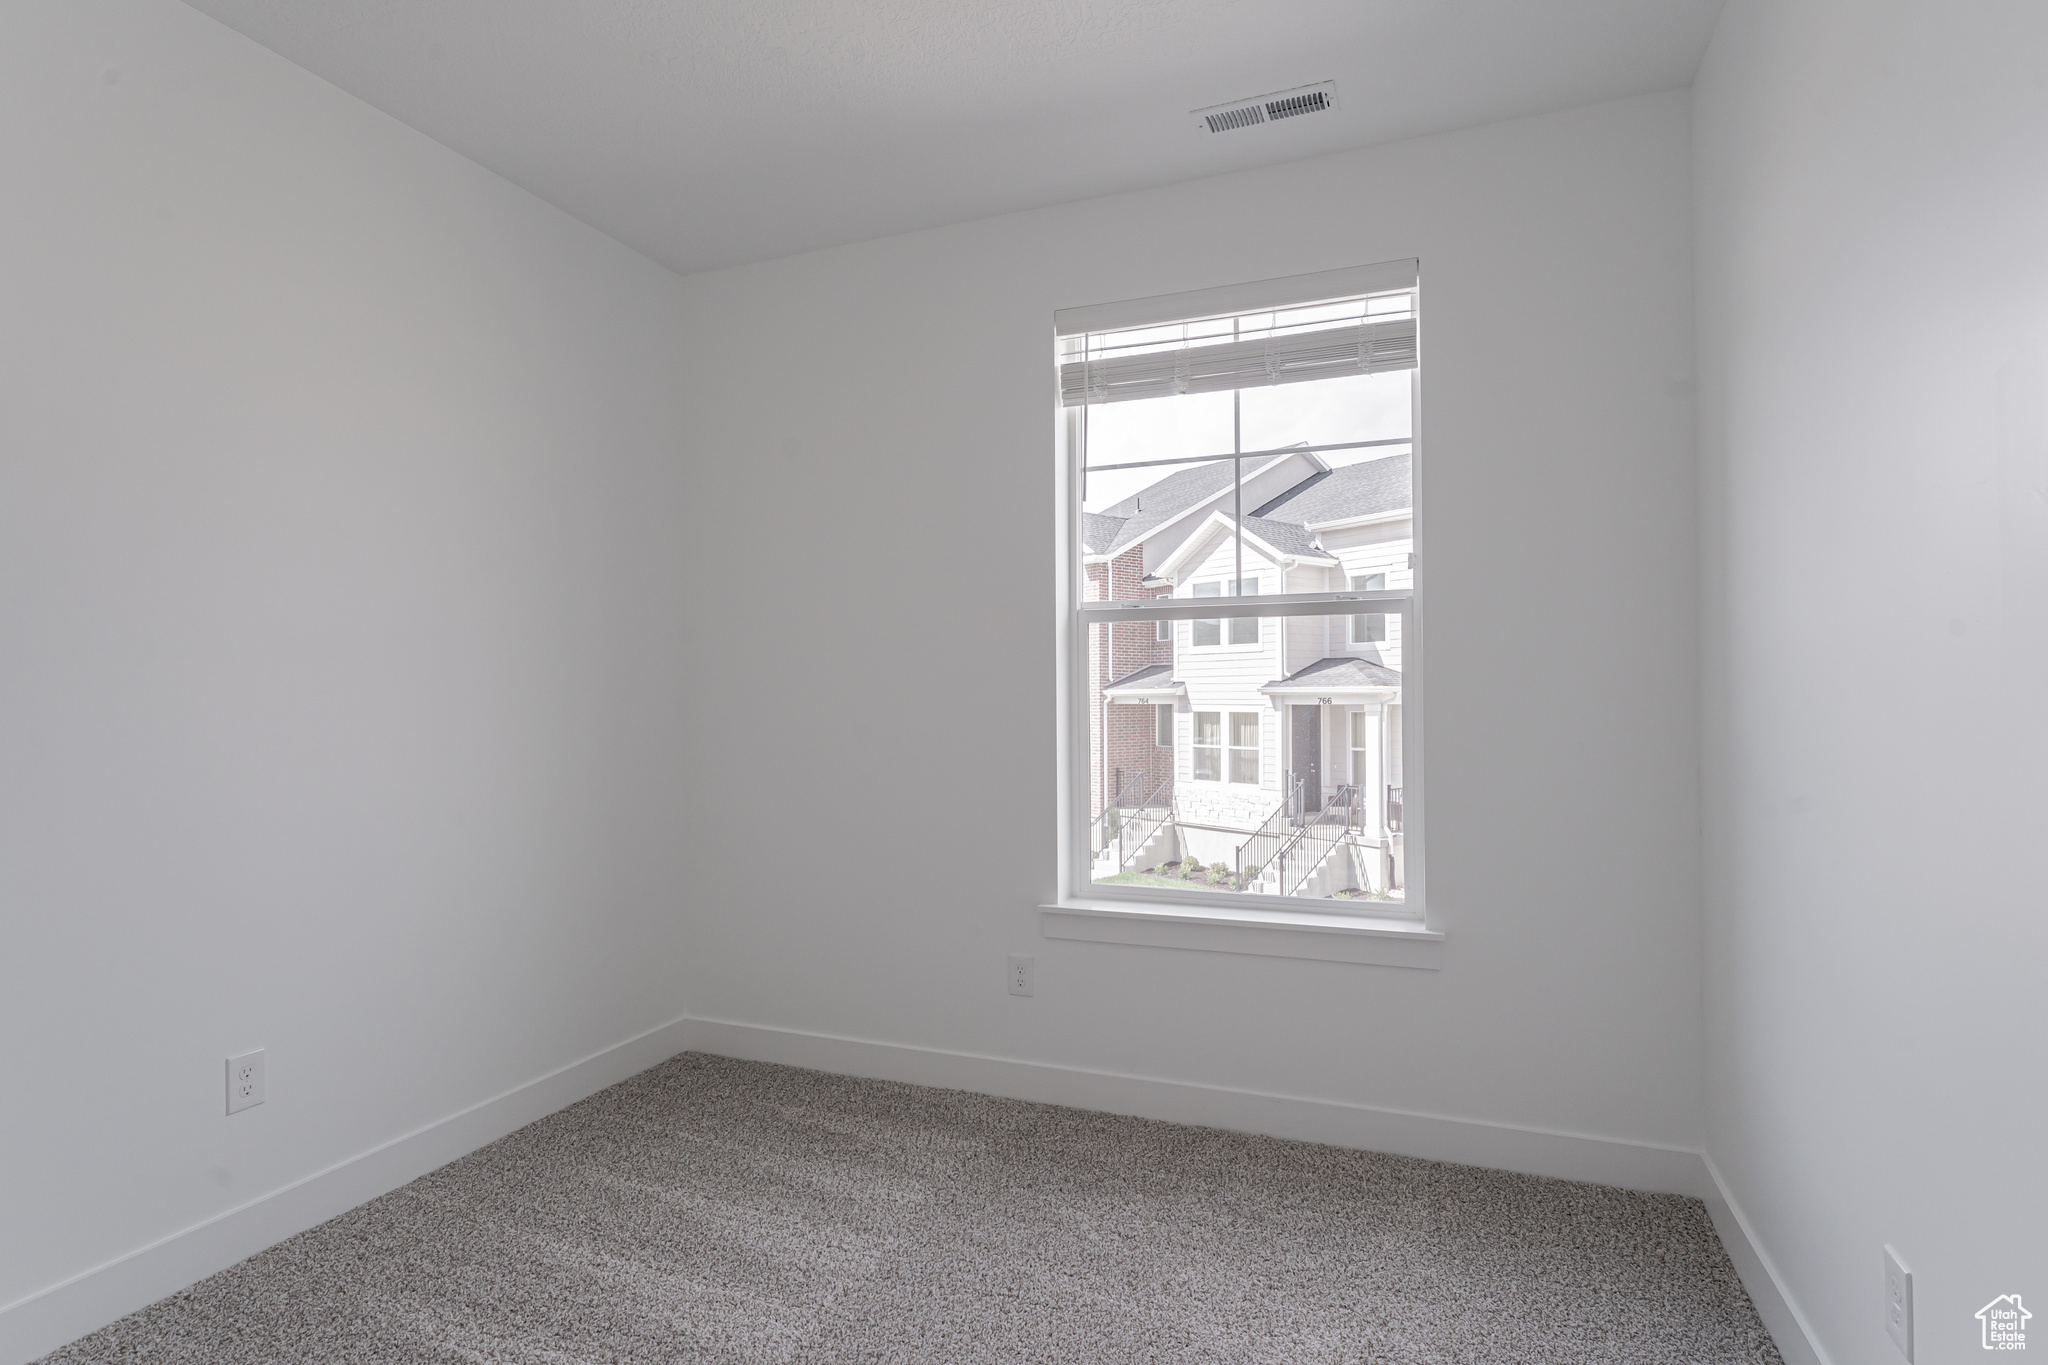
1160, 846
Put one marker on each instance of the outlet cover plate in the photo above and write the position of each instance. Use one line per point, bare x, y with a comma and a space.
1898, 1302
1022, 970
245, 1081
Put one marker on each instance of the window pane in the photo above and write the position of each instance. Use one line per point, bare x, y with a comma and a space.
1244, 765
1325, 722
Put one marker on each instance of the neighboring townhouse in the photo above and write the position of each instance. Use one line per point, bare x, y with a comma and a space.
1242, 723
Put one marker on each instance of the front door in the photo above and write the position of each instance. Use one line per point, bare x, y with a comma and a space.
1305, 754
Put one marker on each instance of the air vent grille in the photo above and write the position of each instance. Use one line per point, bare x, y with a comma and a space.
1307, 99
1314, 102
1241, 117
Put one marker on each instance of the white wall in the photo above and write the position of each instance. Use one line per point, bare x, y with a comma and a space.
1874, 362
334, 688
878, 553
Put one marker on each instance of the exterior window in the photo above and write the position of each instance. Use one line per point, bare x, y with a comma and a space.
1238, 459
1208, 632
1371, 627
1244, 747
1244, 630
1208, 746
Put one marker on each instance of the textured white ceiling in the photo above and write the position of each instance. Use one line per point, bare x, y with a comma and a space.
706, 134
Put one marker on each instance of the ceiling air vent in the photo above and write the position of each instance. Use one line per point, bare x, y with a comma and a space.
1306, 99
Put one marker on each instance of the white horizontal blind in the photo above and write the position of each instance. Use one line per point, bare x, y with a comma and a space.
1109, 373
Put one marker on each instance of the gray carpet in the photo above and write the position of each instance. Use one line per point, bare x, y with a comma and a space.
713, 1210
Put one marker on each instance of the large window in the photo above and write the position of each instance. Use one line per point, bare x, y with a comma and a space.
1242, 459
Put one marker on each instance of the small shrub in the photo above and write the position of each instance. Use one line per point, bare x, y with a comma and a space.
1219, 874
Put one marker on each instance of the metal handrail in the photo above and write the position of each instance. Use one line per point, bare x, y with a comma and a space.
1273, 833
1128, 841
1115, 803
1340, 817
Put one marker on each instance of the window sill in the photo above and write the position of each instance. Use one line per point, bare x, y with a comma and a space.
1371, 939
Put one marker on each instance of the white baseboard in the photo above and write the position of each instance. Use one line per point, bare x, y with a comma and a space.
1532, 1151
1774, 1303
47, 1319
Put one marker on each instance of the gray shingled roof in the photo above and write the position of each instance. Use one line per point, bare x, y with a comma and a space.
1138, 514
1153, 679
1337, 672
1288, 537
1354, 490
1099, 532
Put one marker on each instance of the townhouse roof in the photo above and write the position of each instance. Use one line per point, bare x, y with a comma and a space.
1288, 537
1352, 490
1121, 525
1337, 672
1155, 678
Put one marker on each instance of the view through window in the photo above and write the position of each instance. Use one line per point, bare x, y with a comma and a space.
1245, 493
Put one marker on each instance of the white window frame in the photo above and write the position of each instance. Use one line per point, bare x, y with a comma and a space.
1162, 724
1227, 630
1395, 934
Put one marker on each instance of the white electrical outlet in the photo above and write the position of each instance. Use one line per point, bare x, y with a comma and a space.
1898, 1302
245, 1081
1020, 974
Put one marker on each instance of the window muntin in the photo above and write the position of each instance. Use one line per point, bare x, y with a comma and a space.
1255, 455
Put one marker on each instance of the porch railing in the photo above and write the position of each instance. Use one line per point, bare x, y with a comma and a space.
1341, 818
1278, 829
1139, 824
1104, 826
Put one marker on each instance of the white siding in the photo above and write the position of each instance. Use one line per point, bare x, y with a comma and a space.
1227, 678
1387, 549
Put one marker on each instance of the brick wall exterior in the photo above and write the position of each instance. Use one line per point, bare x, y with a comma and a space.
1113, 652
